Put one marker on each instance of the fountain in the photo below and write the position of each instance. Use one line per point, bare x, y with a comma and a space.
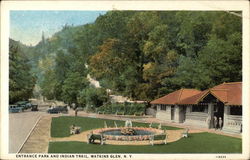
159, 127
105, 124
128, 132
115, 124
128, 123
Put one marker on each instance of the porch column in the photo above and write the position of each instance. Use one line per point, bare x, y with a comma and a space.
210, 115
225, 117
188, 109
177, 114
158, 107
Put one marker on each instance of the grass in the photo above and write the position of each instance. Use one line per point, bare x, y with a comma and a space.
196, 143
60, 125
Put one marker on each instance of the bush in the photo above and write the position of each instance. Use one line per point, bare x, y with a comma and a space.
120, 113
123, 108
89, 109
94, 97
138, 113
100, 112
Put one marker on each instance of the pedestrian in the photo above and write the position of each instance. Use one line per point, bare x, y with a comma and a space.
220, 123
76, 110
215, 122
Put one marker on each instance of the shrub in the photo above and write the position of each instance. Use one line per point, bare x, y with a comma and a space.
94, 97
120, 113
138, 113
125, 108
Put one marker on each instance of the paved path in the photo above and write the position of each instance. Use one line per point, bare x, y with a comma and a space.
20, 124
39, 138
193, 129
173, 135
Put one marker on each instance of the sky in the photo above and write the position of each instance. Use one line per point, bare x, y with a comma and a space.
27, 26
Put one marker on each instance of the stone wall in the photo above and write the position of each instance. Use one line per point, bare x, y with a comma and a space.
151, 111
231, 123
179, 114
163, 114
196, 118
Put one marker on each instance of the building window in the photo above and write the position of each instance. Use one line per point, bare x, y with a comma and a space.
200, 108
163, 107
235, 110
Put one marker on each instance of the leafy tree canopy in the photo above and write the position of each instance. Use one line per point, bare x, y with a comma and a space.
139, 54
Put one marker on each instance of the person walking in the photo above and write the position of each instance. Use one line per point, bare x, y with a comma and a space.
215, 122
220, 123
76, 110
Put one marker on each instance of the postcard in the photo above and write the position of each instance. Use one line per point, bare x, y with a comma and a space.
125, 80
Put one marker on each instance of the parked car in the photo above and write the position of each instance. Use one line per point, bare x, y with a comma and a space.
24, 104
34, 107
15, 108
58, 109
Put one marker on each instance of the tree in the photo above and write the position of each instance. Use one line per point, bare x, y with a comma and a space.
110, 62
142, 54
73, 84
219, 58
21, 81
92, 97
48, 85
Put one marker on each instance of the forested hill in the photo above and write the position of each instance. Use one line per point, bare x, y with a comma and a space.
21, 79
142, 55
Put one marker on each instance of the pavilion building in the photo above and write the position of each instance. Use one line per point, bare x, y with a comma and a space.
198, 108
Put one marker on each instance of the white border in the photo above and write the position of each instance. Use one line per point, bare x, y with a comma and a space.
243, 6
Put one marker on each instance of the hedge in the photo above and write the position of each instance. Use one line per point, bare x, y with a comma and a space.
123, 108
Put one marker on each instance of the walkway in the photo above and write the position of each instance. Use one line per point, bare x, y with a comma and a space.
193, 129
173, 135
39, 138
20, 126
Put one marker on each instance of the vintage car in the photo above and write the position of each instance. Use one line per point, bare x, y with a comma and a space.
15, 108
34, 107
58, 109
24, 104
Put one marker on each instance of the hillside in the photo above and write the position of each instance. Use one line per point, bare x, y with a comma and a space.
141, 55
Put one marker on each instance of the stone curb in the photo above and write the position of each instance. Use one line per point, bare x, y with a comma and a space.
27, 137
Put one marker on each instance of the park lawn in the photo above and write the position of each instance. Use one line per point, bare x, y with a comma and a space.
196, 143
60, 125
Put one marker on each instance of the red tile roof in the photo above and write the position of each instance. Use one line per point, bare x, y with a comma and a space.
228, 93
195, 98
175, 97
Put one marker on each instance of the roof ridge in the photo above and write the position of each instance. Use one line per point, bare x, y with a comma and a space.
180, 95
204, 94
218, 89
231, 82
191, 89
